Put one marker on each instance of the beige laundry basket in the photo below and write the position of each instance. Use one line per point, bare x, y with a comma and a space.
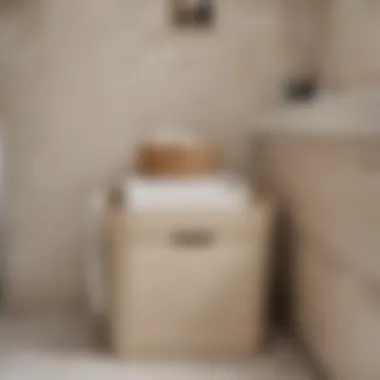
190, 284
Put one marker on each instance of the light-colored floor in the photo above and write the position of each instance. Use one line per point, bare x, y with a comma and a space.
60, 348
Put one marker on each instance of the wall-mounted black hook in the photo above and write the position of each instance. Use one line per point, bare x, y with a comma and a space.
301, 89
193, 13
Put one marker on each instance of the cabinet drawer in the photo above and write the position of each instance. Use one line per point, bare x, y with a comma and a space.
332, 169
352, 232
339, 201
198, 229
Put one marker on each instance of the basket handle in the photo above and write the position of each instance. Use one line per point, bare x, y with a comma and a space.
196, 238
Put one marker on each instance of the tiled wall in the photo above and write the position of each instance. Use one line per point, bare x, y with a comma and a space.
82, 79
338, 40
306, 35
352, 57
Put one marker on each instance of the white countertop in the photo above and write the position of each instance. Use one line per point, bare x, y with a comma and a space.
221, 192
353, 114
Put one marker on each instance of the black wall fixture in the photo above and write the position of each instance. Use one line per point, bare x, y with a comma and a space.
193, 13
301, 89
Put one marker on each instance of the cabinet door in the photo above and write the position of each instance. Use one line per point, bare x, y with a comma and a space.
353, 344
319, 302
337, 313
193, 302
349, 313
364, 333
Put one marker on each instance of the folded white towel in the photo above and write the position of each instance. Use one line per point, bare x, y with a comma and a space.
220, 192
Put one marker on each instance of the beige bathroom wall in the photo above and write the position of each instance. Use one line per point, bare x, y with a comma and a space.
335, 40
352, 58
81, 80
306, 36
